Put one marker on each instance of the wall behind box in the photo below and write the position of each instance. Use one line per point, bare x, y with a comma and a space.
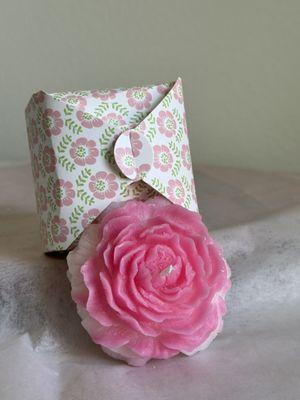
240, 64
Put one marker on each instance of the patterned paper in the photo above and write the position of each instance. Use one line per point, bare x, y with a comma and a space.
90, 148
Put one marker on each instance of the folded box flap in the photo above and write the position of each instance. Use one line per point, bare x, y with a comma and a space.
72, 137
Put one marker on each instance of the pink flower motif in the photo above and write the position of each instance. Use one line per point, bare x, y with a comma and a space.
163, 158
163, 88
186, 156
139, 98
49, 159
142, 170
136, 144
184, 124
104, 94
88, 120
42, 198
103, 185
125, 160
63, 193
175, 191
35, 167
39, 97
89, 217
59, 229
113, 119
149, 281
177, 90
52, 122
166, 123
75, 100
34, 132
84, 151
43, 233
193, 190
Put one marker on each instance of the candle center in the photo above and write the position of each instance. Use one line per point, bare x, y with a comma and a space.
167, 271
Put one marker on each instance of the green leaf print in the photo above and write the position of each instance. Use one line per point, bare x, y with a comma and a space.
138, 117
68, 110
179, 135
177, 115
158, 185
174, 149
63, 144
83, 177
75, 128
101, 108
124, 189
185, 182
75, 231
107, 136
76, 213
151, 119
176, 168
150, 135
84, 196
187, 201
68, 165
167, 100
119, 108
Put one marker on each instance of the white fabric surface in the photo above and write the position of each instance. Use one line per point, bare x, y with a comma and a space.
45, 354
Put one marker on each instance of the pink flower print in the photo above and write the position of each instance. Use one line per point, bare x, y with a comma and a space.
88, 120
177, 90
104, 94
125, 160
166, 123
175, 191
89, 217
43, 232
114, 120
163, 88
139, 98
42, 198
59, 229
49, 159
103, 185
75, 100
184, 124
35, 167
186, 156
34, 132
52, 122
163, 158
39, 97
193, 190
142, 170
84, 151
63, 193
136, 144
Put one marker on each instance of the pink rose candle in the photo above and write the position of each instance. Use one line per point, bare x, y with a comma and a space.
149, 281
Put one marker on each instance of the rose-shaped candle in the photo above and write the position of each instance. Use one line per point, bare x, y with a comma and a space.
149, 281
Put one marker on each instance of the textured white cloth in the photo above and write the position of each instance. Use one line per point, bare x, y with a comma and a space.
45, 354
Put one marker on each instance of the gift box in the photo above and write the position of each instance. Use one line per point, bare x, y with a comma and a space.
93, 147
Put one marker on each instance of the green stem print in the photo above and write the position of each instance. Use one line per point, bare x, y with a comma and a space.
84, 196
83, 177
68, 165
174, 149
75, 128
76, 213
158, 185
101, 108
120, 109
150, 135
68, 110
176, 168
63, 144
107, 136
